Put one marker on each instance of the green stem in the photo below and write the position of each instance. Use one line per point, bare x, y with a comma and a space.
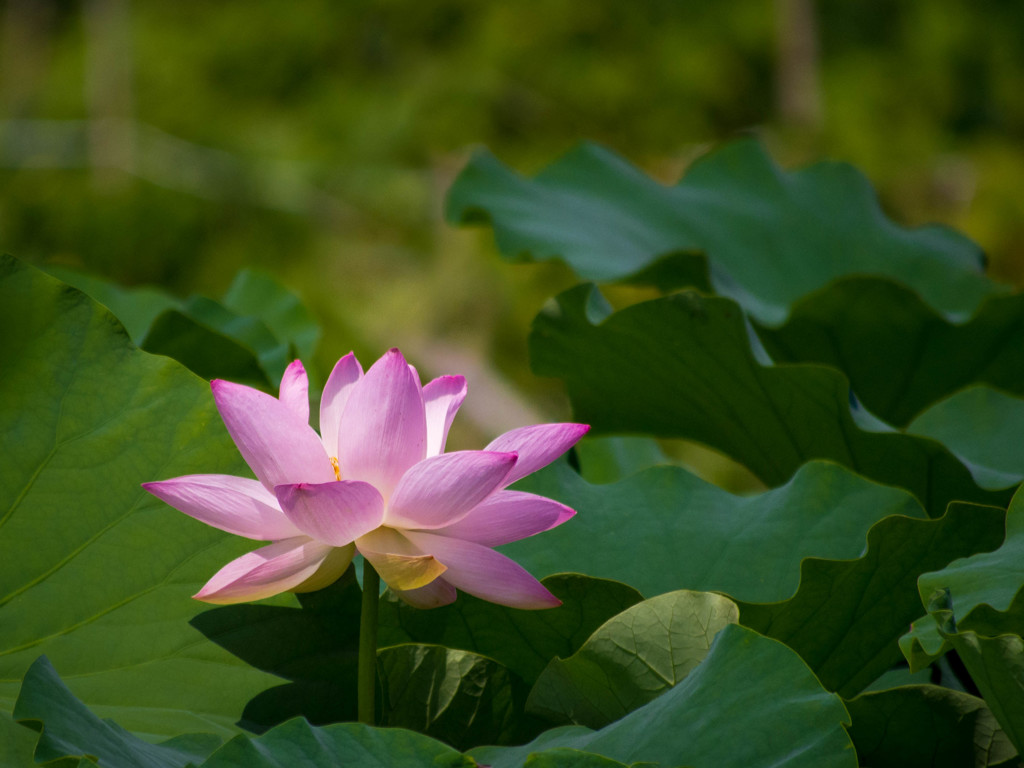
367, 685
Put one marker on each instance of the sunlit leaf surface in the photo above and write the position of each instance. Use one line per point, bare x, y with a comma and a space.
67, 727
747, 684
982, 427
632, 658
94, 572
666, 529
770, 236
847, 616
250, 335
682, 366
986, 588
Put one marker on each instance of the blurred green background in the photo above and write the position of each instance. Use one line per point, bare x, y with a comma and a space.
173, 143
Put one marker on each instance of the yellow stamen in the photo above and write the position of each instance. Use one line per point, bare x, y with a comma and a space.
337, 468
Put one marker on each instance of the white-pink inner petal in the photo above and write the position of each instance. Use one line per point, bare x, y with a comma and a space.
278, 445
335, 513
484, 573
508, 516
234, 504
264, 572
294, 391
346, 373
443, 489
441, 399
537, 445
383, 427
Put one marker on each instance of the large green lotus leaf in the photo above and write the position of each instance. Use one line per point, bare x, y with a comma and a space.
682, 366
995, 664
666, 529
982, 427
261, 316
752, 701
770, 236
255, 294
135, 307
747, 685
164, 325
986, 589
610, 459
847, 616
986, 592
899, 675
344, 745
574, 758
926, 726
94, 572
68, 728
631, 659
476, 625
250, 335
459, 697
923, 644
248, 330
863, 325
205, 350
203, 335
215, 341
314, 647
17, 743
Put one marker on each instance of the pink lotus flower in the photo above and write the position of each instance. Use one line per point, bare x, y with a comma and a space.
376, 480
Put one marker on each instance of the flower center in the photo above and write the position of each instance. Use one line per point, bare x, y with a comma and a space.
337, 468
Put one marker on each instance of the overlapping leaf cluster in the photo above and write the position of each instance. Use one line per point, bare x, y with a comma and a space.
865, 373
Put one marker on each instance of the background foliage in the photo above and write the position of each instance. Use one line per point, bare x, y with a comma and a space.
863, 399
316, 139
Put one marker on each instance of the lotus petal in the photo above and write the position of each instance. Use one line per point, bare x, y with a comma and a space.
294, 391
443, 489
383, 425
339, 386
537, 445
267, 571
234, 504
335, 513
484, 573
508, 516
399, 563
441, 399
279, 446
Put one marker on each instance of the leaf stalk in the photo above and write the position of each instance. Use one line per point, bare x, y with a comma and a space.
367, 680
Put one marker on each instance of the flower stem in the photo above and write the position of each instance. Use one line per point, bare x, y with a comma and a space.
367, 685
